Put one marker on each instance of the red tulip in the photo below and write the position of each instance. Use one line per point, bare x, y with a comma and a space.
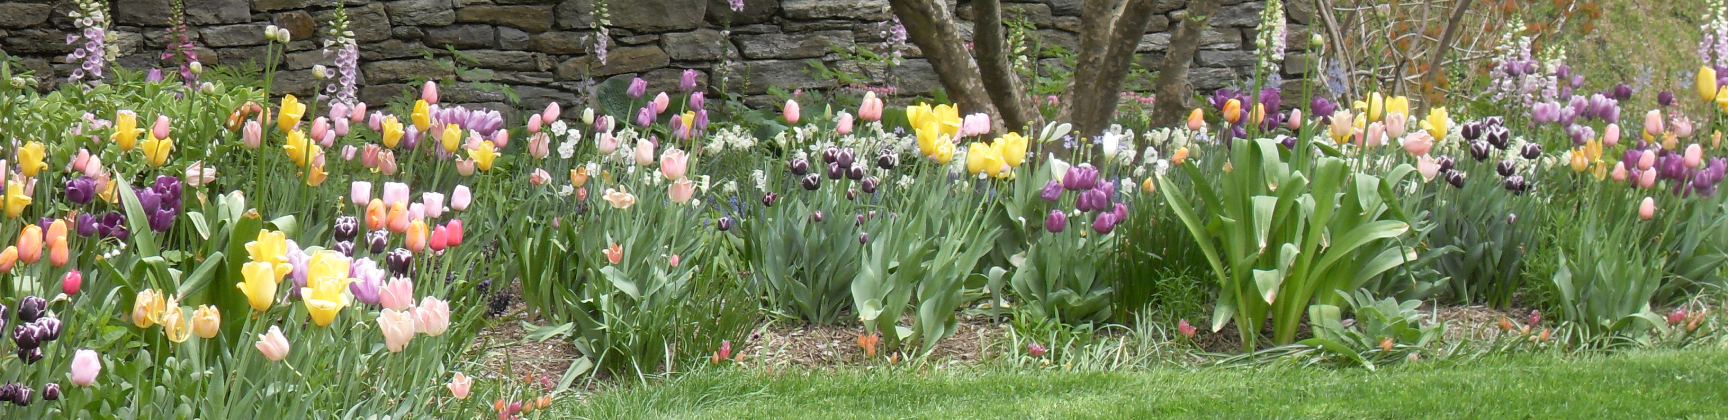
440, 238
455, 231
71, 282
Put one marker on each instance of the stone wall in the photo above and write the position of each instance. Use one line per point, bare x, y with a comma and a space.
544, 48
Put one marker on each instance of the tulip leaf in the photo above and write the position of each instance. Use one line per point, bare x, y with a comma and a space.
202, 275
1268, 281
1337, 348
200, 223
138, 222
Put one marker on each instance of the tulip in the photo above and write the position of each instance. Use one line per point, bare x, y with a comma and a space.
8, 259
31, 159
1653, 123
86, 365
790, 112
416, 232
871, 108
644, 152
1611, 135
272, 344
126, 129
459, 386
1342, 126
483, 156
392, 132
1056, 222
844, 124
398, 329
619, 199
206, 321
30, 244
638, 87
1647, 178
291, 112
674, 163
326, 280
1375, 134
320, 127
681, 191
455, 229
156, 152
259, 285
460, 198
1186, 329
432, 317
1683, 127
1694, 156
175, 325
614, 253
1428, 167
450, 137
1619, 173
661, 102
1707, 83
1647, 209
1232, 111
360, 192
1646, 160
429, 92
71, 282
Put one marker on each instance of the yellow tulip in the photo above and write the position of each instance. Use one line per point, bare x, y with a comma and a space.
297, 147
916, 115
1373, 107
976, 155
31, 159
422, 116
259, 285
317, 176
452, 138
147, 308
1722, 98
206, 321
1012, 147
126, 129
156, 150
326, 280
1437, 123
1707, 84
1593, 150
292, 111
992, 161
271, 247
392, 131
1148, 186
1398, 104
16, 199
944, 153
947, 117
484, 155
1579, 162
175, 325
928, 135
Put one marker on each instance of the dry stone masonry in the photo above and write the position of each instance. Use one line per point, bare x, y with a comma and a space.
544, 49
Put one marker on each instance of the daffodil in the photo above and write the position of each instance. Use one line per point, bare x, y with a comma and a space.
484, 155
392, 131
31, 159
260, 284
156, 150
1437, 122
126, 129
16, 199
422, 116
326, 280
292, 111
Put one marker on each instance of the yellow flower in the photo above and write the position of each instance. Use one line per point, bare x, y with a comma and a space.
422, 116
297, 147
16, 199
947, 117
1707, 83
126, 129
1373, 107
271, 247
156, 150
944, 153
977, 156
206, 321
1012, 147
392, 131
1593, 150
147, 308
326, 280
1721, 99
175, 325
1233, 111
259, 285
292, 111
1579, 162
31, 159
1436, 123
452, 137
317, 176
928, 135
484, 155
917, 114
1398, 104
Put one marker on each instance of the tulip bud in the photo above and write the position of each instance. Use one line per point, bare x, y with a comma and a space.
724, 224
769, 199
1532, 151
398, 260
816, 216
811, 182
887, 160
1315, 41
345, 247
1505, 168
1056, 222
799, 166
51, 390
1479, 150
856, 173
71, 282
870, 184
1456, 178
376, 241
30, 356
30, 308
863, 237
49, 328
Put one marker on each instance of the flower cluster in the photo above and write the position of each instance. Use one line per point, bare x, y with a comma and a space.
161, 202
92, 21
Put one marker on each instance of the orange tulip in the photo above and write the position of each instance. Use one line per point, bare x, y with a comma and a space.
416, 235
30, 244
8, 259
1196, 120
58, 254
375, 214
1233, 111
398, 221
614, 253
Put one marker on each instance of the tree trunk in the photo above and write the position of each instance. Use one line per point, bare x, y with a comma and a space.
999, 78
1444, 45
930, 25
1172, 87
1100, 77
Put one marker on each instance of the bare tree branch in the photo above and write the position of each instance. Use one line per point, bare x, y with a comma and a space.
930, 25
1172, 88
999, 79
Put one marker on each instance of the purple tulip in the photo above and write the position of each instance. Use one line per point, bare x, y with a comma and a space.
398, 260
1080, 178
638, 87
799, 166
1121, 211
811, 182
80, 190
1056, 221
1104, 223
645, 116
1665, 98
687, 82
1322, 108
1052, 191
369, 279
869, 184
86, 225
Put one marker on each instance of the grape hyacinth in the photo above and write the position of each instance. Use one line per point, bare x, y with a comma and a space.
92, 21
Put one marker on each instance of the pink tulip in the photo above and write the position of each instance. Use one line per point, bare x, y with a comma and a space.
534, 123
397, 293
160, 130
539, 145
975, 124
329, 139
1646, 160
1419, 144
661, 101
359, 113
348, 152
1647, 178
1619, 172
1397, 123
440, 239
340, 127
607, 144
86, 365
539, 177
369, 156
376, 121
674, 163
551, 112
434, 203
644, 152
338, 111
1376, 132
455, 228
1682, 127
500, 138
1647, 209
1427, 166
681, 191
429, 92
272, 344
1694, 156
398, 329
871, 108
387, 162
319, 127
672, 260
82, 160
460, 198
459, 384
93, 168
1653, 123
72, 282
1295, 121
417, 211
1611, 135
432, 317
844, 125
360, 192
394, 193
790, 111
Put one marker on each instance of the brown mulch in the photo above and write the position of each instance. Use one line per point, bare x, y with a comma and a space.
809, 345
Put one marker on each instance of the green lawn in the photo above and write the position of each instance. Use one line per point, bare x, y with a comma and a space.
1652, 384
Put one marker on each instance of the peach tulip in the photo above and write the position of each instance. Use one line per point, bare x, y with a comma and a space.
429, 92
273, 344
416, 240
358, 113
1653, 123
1427, 166
1233, 111
432, 317
8, 259
1647, 209
459, 385
397, 219
661, 101
1376, 133
620, 199
681, 191
1646, 160
30, 244
1611, 135
1619, 173
614, 253
844, 124
551, 113
1196, 120
465, 167
1647, 178
398, 329
161, 129
674, 163
539, 145
1295, 121
375, 214
1419, 144
1397, 124
1694, 156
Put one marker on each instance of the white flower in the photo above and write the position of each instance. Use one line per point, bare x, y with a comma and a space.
566, 191
567, 148
731, 187
559, 128
760, 179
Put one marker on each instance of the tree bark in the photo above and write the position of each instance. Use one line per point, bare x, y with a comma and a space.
1100, 78
930, 25
1445, 43
1172, 87
999, 78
